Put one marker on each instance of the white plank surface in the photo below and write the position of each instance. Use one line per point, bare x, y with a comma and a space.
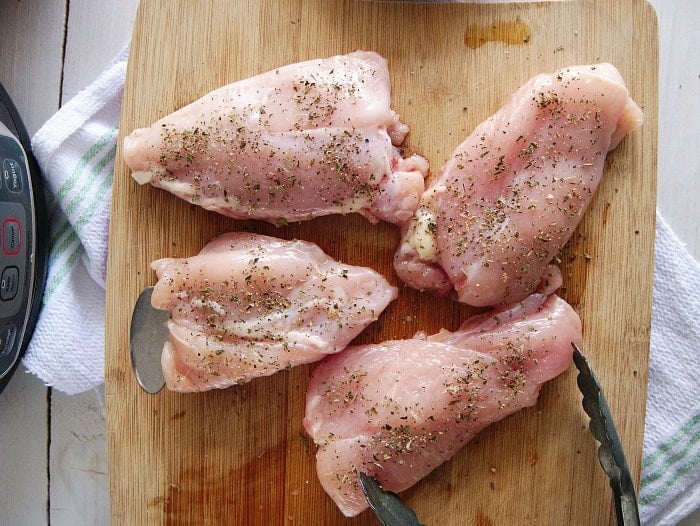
679, 118
96, 32
79, 485
23, 457
53, 460
31, 45
24, 408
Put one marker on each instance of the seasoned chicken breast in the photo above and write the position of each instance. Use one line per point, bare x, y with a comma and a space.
250, 305
399, 409
513, 192
300, 141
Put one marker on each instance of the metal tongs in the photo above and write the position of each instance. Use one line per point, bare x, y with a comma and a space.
610, 452
387, 506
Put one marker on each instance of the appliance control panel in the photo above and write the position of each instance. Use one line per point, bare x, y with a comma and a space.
23, 239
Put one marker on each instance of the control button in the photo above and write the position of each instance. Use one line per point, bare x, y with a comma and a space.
9, 283
11, 237
12, 175
8, 335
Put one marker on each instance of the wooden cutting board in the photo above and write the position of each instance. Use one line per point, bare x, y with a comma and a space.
240, 456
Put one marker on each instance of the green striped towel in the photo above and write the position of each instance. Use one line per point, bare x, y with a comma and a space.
670, 485
75, 150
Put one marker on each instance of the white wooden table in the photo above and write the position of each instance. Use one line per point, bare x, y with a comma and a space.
53, 458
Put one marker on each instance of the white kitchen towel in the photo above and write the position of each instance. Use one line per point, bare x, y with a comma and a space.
670, 486
75, 150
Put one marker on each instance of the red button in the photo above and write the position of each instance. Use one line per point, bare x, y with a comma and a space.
11, 237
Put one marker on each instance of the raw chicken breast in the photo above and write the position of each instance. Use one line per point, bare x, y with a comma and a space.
399, 409
250, 305
304, 140
514, 191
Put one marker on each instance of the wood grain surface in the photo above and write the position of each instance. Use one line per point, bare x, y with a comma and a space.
240, 456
